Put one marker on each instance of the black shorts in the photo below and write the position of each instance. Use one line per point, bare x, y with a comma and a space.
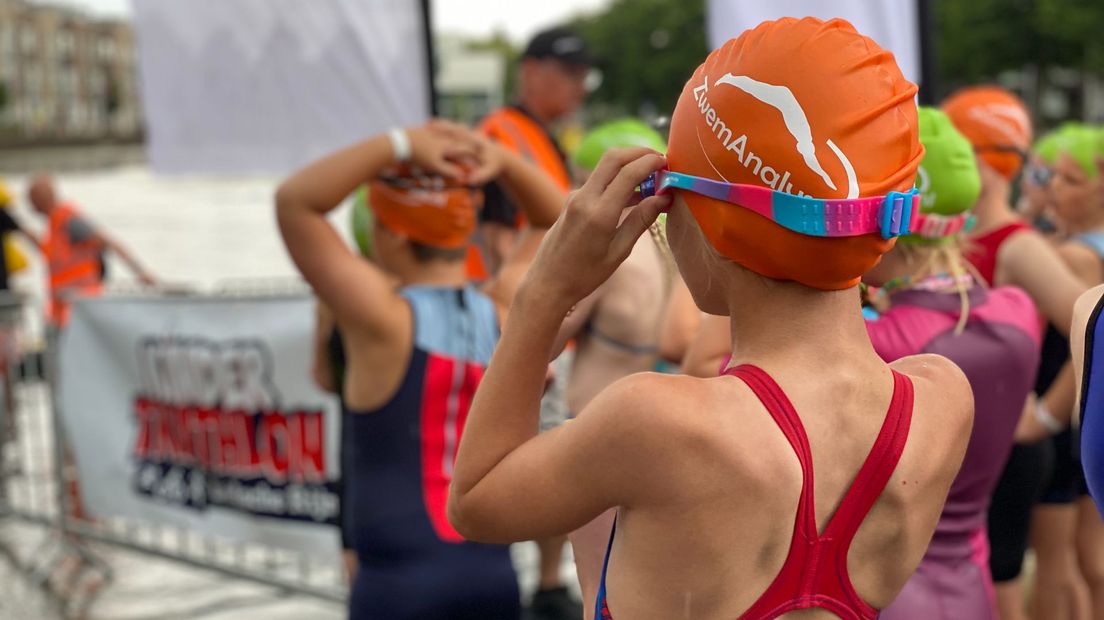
1020, 486
1067, 479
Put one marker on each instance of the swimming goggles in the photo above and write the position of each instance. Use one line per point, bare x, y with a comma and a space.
1038, 175
892, 215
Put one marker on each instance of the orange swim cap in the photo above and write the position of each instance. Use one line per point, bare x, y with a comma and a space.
996, 122
803, 106
426, 208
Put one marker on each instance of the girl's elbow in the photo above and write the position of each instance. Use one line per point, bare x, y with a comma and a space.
460, 517
473, 522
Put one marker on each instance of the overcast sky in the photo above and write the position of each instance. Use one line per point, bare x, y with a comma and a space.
518, 18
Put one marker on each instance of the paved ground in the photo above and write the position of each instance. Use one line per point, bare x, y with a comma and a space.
147, 588
39, 587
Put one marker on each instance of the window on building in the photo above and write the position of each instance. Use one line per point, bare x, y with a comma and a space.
97, 82
29, 40
32, 82
7, 40
106, 49
65, 44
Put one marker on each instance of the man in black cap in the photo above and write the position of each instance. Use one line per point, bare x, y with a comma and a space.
551, 86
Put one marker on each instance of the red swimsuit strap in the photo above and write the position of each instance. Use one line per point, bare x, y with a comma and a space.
814, 574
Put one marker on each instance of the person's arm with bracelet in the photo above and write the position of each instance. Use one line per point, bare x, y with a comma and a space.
324, 259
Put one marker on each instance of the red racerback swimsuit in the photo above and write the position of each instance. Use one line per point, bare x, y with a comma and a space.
983, 253
814, 574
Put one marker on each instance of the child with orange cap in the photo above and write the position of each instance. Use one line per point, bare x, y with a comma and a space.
1007, 251
415, 355
780, 198
930, 303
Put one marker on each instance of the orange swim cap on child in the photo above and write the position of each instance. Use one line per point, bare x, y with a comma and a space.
803, 106
426, 208
996, 122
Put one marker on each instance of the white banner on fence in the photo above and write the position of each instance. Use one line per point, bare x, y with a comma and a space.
234, 86
892, 24
202, 413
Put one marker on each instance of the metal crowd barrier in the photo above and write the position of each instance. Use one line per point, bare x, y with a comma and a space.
39, 491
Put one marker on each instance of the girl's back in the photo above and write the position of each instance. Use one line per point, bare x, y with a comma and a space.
734, 484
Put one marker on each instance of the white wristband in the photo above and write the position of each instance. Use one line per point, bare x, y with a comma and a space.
400, 144
1046, 419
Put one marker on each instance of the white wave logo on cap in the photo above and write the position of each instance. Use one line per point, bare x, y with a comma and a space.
796, 121
567, 45
417, 197
1010, 120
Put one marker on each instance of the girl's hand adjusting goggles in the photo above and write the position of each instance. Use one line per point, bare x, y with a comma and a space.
892, 215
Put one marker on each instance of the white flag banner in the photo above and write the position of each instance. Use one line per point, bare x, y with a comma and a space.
243, 86
202, 413
893, 24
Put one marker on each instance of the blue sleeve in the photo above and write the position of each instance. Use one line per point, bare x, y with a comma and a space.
1092, 407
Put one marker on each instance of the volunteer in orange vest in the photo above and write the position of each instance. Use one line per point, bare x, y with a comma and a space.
551, 85
74, 250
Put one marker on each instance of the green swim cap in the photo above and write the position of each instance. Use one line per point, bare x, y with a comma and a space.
1046, 147
360, 219
948, 176
616, 134
1081, 142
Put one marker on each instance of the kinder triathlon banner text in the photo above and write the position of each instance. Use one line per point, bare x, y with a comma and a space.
202, 413
893, 24
244, 86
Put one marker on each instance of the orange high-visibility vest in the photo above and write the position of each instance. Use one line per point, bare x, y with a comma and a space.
523, 135
74, 267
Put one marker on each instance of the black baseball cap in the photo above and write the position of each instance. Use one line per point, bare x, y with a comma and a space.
560, 43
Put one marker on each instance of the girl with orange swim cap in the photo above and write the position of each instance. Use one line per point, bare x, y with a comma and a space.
1006, 251
418, 336
812, 474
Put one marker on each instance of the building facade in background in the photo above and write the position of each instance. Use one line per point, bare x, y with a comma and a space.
65, 76
469, 82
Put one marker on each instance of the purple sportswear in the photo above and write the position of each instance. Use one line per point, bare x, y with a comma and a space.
999, 352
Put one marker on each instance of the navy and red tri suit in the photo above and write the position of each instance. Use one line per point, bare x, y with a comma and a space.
413, 564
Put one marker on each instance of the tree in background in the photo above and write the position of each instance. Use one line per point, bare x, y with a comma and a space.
500, 44
981, 39
646, 50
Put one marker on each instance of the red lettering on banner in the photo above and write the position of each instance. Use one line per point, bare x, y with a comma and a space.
143, 411
312, 447
274, 446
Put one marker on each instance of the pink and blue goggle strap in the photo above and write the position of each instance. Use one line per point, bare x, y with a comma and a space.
890, 216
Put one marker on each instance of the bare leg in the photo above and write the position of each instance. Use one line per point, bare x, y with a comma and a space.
349, 557
1090, 552
1010, 599
551, 557
1060, 591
